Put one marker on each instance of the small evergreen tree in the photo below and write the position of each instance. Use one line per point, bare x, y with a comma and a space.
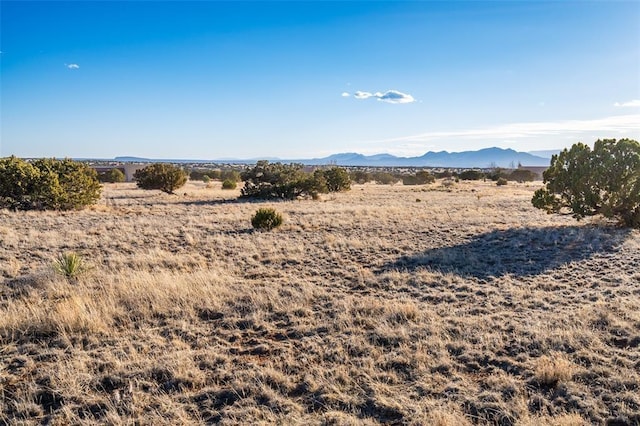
337, 179
276, 181
47, 184
114, 176
604, 181
165, 177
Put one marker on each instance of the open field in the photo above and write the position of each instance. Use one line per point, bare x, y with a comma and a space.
385, 304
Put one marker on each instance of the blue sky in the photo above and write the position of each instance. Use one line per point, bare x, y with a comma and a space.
208, 80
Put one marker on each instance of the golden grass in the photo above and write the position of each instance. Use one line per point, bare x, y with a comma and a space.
468, 307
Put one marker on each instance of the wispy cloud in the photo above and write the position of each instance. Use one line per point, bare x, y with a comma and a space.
345, 94
522, 136
362, 95
618, 123
390, 96
633, 103
72, 66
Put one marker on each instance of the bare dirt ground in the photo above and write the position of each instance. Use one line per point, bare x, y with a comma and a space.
385, 304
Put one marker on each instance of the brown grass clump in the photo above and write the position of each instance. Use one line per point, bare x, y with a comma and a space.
553, 369
470, 307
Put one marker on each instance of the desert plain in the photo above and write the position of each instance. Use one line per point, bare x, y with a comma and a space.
418, 305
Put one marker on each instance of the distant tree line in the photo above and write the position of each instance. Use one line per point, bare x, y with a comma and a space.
423, 177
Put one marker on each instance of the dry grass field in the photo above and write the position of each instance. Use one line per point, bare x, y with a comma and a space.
385, 304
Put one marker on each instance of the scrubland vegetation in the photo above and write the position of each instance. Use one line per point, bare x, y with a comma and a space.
47, 184
603, 181
446, 304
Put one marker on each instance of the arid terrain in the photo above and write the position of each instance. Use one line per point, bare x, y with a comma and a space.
385, 304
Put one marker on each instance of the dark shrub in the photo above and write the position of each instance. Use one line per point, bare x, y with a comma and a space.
420, 178
47, 184
337, 179
471, 175
280, 181
604, 181
522, 175
266, 219
165, 177
229, 184
114, 175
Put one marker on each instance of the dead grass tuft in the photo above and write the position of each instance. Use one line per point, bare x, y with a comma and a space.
553, 369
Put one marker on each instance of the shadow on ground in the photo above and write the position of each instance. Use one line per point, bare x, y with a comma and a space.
518, 252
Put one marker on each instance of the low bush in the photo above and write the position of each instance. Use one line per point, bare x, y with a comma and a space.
266, 219
448, 182
289, 181
420, 178
275, 181
501, 181
471, 175
522, 175
204, 174
229, 184
114, 175
47, 184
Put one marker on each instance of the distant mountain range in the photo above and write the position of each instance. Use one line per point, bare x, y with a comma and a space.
483, 158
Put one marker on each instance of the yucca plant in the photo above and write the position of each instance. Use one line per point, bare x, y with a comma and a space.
70, 265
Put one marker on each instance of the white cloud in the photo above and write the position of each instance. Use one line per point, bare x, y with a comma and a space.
390, 96
618, 123
73, 66
345, 94
633, 103
395, 97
